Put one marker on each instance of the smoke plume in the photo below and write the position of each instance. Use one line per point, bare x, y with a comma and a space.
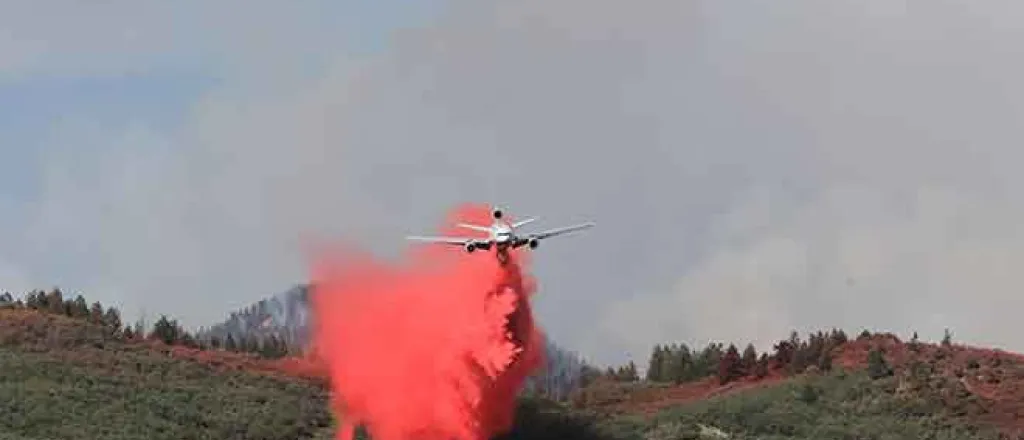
435, 346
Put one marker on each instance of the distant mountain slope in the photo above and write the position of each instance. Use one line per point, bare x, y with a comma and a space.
286, 316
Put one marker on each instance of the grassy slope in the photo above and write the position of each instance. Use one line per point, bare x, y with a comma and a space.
834, 406
62, 378
939, 393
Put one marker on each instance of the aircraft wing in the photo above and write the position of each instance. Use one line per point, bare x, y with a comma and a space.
558, 231
458, 241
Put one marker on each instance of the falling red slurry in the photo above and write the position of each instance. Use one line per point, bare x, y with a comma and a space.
419, 349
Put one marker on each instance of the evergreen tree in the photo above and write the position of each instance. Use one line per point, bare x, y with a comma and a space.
682, 365
96, 313
38, 299
706, 363
730, 366
838, 337
749, 359
629, 373
825, 362
784, 351
112, 320
915, 345
55, 301
166, 330
877, 367
654, 372
139, 329
79, 308
588, 375
761, 369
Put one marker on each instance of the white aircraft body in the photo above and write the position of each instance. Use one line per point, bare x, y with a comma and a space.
502, 235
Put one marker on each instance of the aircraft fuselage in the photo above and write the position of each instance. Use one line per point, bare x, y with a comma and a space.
501, 235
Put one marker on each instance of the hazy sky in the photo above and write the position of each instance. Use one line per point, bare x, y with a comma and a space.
753, 167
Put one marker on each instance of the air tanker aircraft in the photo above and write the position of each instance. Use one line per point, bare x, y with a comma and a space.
502, 235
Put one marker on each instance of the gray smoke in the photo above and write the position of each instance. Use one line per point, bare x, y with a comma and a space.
752, 167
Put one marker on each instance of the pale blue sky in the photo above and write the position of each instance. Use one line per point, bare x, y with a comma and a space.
743, 160
68, 88
160, 86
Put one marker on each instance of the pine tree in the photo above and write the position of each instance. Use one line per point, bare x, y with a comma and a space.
166, 330
761, 369
630, 374
947, 338
749, 359
838, 337
96, 313
729, 366
706, 362
39, 299
915, 344
588, 375
139, 329
55, 301
877, 367
825, 362
654, 373
784, 351
112, 320
79, 307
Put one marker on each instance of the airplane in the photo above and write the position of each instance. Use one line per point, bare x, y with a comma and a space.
502, 235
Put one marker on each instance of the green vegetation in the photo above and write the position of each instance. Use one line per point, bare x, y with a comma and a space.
59, 380
678, 363
69, 370
838, 405
164, 329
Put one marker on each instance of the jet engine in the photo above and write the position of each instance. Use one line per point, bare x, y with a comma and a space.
497, 213
470, 247
534, 243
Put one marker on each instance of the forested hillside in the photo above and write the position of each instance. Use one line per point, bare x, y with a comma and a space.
73, 370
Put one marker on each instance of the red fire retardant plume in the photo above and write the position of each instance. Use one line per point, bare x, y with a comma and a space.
434, 347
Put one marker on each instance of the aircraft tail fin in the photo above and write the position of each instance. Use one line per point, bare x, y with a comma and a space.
523, 222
